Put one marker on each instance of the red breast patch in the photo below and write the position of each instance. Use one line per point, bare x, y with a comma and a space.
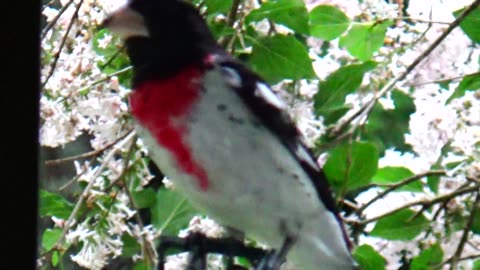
160, 106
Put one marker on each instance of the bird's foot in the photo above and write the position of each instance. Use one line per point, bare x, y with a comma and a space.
273, 260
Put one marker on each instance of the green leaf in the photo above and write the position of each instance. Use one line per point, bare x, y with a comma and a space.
112, 56
328, 22
363, 40
52, 204
400, 225
387, 127
281, 57
428, 258
218, 6
476, 265
433, 181
470, 82
110, 49
141, 265
50, 237
351, 166
476, 222
329, 101
368, 258
55, 258
130, 246
290, 13
456, 221
171, 212
470, 24
144, 198
393, 175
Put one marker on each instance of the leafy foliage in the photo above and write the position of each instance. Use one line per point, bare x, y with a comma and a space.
403, 225
392, 175
290, 13
363, 40
279, 57
328, 22
368, 258
284, 42
470, 82
172, 212
387, 127
54, 205
351, 166
330, 99
470, 24
428, 259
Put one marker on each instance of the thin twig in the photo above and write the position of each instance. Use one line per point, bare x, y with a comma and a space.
48, 4
336, 131
418, 20
232, 16
471, 257
62, 44
55, 19
423, 203
349, 204
473, 180
88, 154
148, 250
442, 207
338, 140
398, 185
466, 232
106, 78
113, 57
73, 180
429, 26
444, 80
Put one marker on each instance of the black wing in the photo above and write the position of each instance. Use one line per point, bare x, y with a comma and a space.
280, 123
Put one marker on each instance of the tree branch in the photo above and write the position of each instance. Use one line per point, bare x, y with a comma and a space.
88, 154
55, 19
398, 185
419, 20
113, 57
445, 80
466, 231
232, 16
147, 249
423, 203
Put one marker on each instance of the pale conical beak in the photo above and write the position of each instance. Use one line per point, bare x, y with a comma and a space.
126, 23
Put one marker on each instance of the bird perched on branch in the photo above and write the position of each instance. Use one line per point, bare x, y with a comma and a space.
217, 130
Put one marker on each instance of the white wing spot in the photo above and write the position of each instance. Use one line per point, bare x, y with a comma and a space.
266, 93
232, 77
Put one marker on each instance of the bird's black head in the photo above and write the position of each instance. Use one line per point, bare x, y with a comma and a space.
162, 36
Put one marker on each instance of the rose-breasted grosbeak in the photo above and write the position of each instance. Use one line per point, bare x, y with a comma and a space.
223, 137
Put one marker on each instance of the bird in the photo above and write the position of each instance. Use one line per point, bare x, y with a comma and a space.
224, 138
